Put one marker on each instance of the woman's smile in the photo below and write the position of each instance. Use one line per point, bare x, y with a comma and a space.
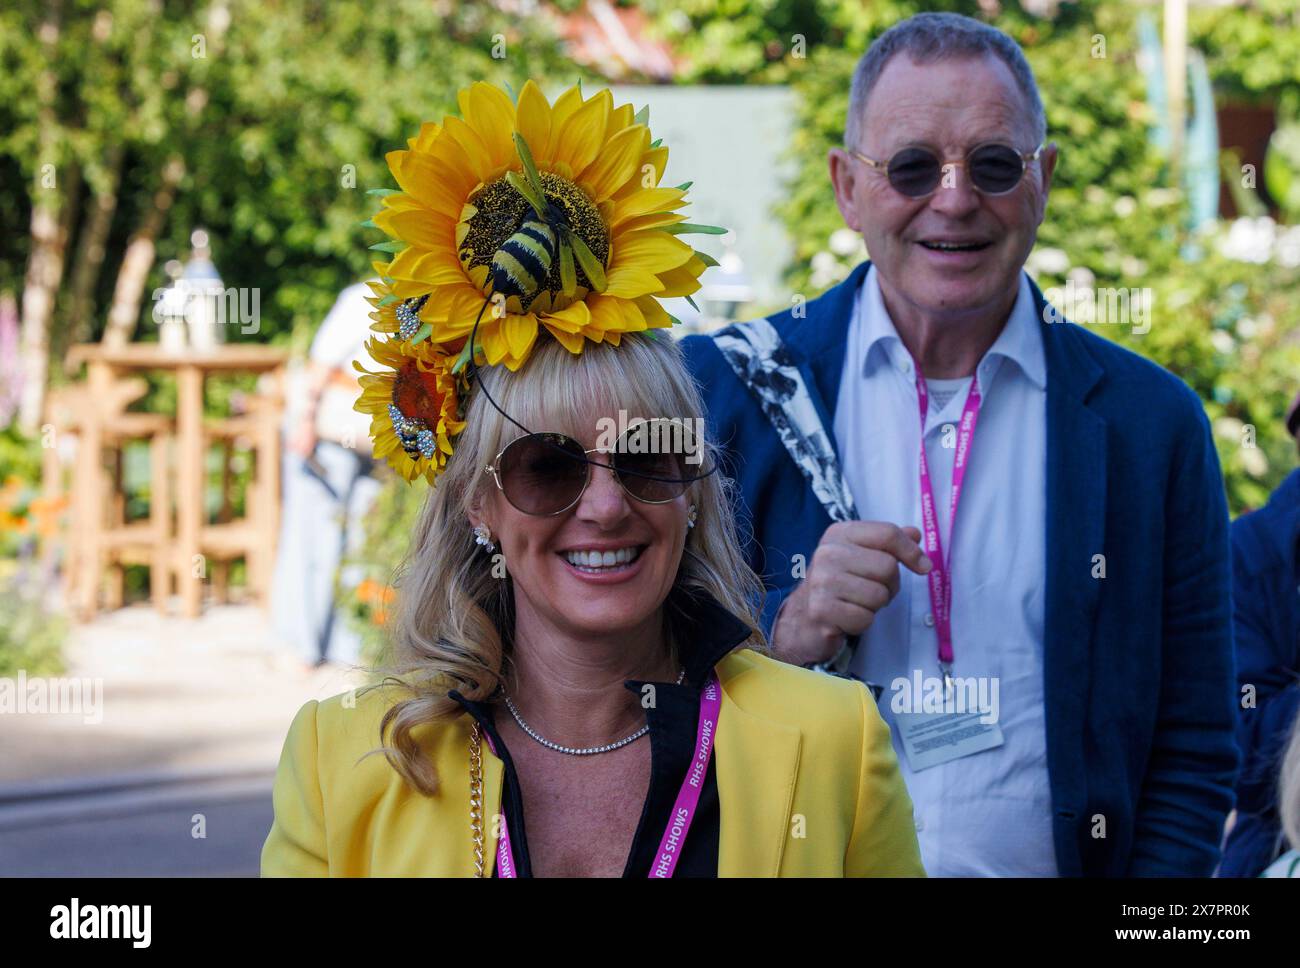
604, 563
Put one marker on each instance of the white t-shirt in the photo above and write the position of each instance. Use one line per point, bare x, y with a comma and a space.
339, 342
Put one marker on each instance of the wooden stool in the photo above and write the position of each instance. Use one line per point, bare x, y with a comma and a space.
101, 541
252, 537
146, 542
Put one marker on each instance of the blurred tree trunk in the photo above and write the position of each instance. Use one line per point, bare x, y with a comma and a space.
89, 260
139, 258
49, 233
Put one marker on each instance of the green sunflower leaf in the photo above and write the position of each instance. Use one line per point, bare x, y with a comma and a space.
383, 192
690, 227
704, 257
388, 247
692, 302
656, 143
642, 116
388, 300
462, 360
685, 185
423, 333
367, 224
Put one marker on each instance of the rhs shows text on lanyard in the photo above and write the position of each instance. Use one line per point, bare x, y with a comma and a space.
688, 798
940, 577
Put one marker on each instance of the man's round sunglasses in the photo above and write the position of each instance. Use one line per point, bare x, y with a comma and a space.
994, 169
547, 473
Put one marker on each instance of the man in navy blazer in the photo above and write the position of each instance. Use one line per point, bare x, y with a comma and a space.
1133, 751
1266, 615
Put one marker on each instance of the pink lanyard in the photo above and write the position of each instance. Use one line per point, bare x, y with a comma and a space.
940, 577
688, 798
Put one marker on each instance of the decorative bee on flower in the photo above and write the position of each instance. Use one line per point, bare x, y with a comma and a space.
523, 262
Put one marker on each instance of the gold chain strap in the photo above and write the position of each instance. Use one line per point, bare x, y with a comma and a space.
476, 796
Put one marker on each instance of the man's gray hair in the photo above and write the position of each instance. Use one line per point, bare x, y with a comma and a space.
929, 37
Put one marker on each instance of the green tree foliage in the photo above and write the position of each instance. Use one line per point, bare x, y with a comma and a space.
281, 111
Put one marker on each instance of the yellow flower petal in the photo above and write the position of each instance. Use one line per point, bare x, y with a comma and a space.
520, 331
652, 251
616, 163
683, 280
629, 282
419, 227
655, 220
570, 341
572, 319
564, 108
487, 109
604, 313
657, 159
654, 314
478, 153
436, 267
644, 202
533, 119
582, 135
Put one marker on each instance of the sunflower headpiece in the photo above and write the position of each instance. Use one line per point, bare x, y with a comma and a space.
551, 213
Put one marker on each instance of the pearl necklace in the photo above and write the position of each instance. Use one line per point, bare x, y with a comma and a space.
584, 751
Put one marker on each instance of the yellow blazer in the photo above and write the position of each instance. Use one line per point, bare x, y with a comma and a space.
808, 786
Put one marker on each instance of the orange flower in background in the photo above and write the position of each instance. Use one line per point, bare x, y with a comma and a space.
377, 596
45, 513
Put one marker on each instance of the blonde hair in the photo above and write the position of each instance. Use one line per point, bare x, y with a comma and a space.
454, 619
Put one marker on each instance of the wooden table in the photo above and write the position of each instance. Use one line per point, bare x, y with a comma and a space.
105, 364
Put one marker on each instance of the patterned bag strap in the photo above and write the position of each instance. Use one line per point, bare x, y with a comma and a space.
762, 363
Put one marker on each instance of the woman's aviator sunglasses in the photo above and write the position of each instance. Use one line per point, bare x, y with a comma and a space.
547, 473
994, 169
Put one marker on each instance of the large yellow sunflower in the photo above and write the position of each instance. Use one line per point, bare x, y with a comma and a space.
457, 207
414, 406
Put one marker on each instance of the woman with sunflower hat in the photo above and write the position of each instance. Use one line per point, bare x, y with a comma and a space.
577, 683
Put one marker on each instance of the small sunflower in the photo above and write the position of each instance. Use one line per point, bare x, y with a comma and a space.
414, 406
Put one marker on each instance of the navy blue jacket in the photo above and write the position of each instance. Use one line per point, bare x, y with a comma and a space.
1266, 626
1138, 665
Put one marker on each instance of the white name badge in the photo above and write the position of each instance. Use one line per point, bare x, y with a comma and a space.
930, 739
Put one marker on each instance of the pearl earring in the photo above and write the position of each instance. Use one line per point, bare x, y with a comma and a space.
691, 515
483, 538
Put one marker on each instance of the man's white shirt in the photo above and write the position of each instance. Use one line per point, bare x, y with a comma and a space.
989, 813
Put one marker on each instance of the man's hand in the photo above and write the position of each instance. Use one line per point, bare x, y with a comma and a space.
852, 576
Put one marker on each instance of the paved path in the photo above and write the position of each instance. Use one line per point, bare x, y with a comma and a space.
194, 714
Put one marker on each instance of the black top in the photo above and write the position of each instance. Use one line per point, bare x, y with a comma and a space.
710, 633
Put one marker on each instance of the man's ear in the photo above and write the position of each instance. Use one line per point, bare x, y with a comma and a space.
1047, 162
844, 181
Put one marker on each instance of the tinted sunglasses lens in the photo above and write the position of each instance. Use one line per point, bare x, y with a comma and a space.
651, 451
914, 172
995, 169
542, 473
